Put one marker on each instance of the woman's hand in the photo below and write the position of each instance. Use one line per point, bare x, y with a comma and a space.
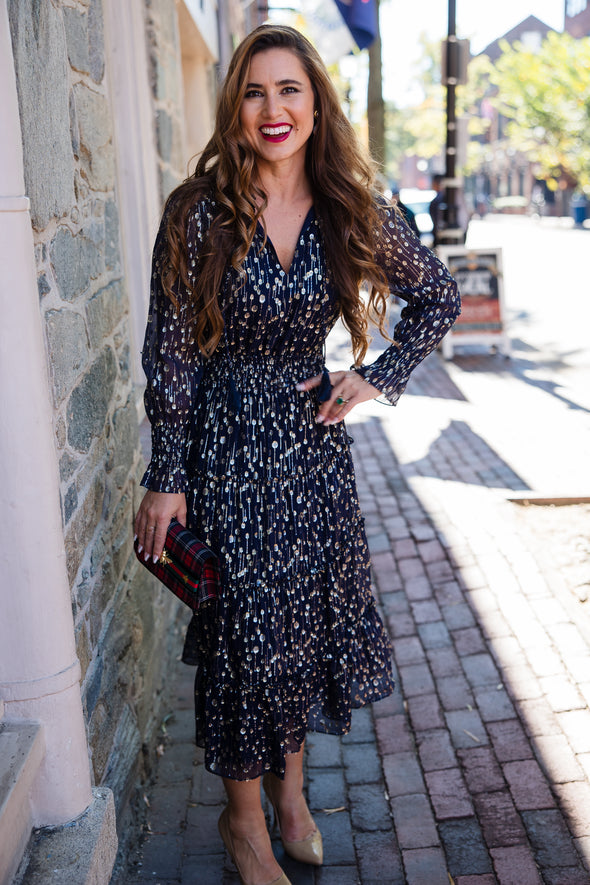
153, 518
348, 390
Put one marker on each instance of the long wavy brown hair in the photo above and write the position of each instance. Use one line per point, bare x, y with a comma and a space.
342, 185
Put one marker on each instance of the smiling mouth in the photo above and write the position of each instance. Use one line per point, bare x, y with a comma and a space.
275, 133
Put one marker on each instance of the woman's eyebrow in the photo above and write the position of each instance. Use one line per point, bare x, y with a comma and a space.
286, 82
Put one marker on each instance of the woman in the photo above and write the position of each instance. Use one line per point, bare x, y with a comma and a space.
258, 254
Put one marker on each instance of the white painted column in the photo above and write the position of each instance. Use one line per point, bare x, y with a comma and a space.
39, 670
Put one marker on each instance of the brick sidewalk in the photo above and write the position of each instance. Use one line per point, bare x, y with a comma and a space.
476, 771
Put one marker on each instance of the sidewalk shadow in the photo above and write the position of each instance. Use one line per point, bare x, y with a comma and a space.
461, 455
519, 367
430, 378
473, 647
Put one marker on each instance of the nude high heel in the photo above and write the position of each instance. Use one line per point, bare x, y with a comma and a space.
309, 850
224, 830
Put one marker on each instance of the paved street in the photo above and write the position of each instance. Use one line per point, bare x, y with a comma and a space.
547, 287
547, 284
477, 770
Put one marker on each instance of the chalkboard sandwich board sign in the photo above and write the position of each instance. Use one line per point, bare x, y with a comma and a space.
478, 273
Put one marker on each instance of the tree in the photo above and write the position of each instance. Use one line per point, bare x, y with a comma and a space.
398, 140
474, 105
375, 104
397, 132
426, 124
546, 97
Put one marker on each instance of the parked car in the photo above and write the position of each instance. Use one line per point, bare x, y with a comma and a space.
419, 201
515, 205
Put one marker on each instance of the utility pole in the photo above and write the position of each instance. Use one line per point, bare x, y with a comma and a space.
452, 234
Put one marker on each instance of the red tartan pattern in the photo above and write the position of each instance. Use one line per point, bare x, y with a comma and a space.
187, 567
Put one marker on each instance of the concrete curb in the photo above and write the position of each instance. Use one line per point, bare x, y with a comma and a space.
80, 853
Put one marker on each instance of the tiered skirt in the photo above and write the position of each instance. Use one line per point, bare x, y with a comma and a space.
294, 641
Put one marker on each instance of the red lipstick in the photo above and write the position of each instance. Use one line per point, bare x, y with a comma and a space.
276, 134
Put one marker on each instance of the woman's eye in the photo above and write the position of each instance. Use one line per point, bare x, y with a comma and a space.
257, 93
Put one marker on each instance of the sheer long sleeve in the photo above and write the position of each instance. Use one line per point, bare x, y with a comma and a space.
173, 367
432, 299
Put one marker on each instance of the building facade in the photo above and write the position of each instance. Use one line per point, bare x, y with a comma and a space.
103, 105
505, 179
577, 18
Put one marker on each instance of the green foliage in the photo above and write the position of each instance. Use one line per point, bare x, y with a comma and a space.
470, 96
398, 140
426, 122
470, 99
420, 129
546, 97
426, 126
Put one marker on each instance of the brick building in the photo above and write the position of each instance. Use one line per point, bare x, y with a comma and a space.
577, 18
504, 174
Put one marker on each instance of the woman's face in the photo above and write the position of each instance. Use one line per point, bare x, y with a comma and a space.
277, 111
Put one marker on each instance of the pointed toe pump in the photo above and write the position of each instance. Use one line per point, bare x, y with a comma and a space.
309, 850
224, 830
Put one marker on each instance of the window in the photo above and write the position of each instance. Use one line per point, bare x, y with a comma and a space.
574, 7
531, 40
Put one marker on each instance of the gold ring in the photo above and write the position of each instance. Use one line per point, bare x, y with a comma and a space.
340, 401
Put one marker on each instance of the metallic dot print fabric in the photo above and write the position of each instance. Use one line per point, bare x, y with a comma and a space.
294, 642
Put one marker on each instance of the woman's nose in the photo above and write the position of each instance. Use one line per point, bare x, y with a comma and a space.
271, 105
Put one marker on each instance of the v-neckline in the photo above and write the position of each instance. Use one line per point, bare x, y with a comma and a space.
306, 221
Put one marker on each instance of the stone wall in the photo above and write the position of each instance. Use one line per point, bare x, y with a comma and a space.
121, 615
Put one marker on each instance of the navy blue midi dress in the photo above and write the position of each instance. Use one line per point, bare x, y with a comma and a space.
294, 641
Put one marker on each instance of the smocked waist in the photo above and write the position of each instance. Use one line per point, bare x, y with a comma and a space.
265, 368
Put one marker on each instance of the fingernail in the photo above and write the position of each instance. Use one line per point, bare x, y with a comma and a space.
319, 419
155, 558
134, 538
139, 548
146, 556
299, 386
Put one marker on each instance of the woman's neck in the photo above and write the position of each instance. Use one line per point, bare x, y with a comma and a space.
284, 185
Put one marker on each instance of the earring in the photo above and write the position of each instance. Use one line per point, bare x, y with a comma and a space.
315, 115
315, 120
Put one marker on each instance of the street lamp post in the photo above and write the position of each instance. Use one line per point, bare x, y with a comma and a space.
452, 234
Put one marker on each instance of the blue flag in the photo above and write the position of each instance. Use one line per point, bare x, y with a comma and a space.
361, 18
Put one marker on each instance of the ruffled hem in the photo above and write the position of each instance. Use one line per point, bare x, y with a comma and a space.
307, 653
240, 761
247, 731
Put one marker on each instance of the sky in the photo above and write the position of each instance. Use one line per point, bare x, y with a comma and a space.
479, 20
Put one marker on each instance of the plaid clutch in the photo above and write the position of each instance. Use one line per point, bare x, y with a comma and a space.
187, 567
